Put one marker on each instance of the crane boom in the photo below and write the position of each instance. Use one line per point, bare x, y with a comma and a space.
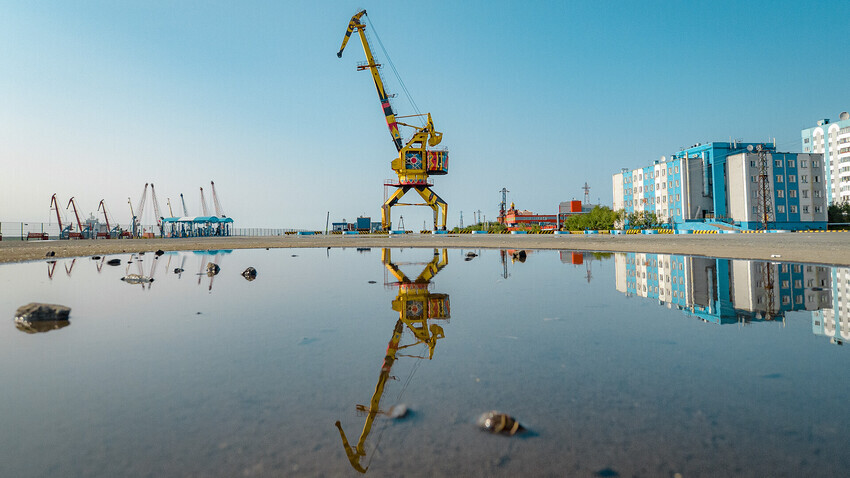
141, 207
100, 206
76, 214
185, 211
216, 204
355, 25
204, 204
156, 207
55, 203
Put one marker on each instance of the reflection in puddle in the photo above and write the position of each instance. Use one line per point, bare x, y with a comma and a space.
416, 306
247, 378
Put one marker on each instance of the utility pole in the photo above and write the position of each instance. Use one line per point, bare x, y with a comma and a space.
586, 188
765, 197
503, 205
461, 220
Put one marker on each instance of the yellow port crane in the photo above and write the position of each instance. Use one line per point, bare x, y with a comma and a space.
415, 161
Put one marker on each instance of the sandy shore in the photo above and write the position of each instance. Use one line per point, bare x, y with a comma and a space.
822, 248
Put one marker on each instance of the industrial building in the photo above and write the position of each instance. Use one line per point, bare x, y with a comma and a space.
728, 186
515, 218
832, 140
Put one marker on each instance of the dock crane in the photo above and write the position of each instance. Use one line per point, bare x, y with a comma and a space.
137, 219
82, 232
64, 231
110, 232
185, 211
216, 204
415, 161
204, 204
416, 306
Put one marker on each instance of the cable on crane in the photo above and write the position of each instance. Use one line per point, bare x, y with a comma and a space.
395, 72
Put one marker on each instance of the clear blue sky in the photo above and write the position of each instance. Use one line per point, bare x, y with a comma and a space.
99, 97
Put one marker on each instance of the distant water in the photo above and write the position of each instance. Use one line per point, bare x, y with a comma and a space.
617, 365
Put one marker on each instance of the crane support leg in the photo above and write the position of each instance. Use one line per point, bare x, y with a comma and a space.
437, 204
391, 201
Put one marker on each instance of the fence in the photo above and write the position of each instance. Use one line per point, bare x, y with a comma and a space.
13, 231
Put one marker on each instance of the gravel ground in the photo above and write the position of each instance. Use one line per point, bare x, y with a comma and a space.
831, 248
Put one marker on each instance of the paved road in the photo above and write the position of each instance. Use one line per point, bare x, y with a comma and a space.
823, 248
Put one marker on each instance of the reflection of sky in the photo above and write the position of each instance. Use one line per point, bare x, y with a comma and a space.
140, 384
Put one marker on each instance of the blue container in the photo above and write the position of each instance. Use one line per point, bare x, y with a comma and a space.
364, 223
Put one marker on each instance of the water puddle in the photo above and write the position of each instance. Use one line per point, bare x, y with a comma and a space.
423, 362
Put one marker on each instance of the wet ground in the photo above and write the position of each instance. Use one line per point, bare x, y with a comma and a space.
215, 375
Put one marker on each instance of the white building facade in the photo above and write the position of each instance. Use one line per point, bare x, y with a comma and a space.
833, 141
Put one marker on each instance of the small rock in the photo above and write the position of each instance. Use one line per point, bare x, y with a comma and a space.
497, 422
775, 255
37, 317
397, 412
294, 255
50, 254
519, 256
249, 274
36, 311
137, 279
178, 270
373, 282
159, 252
471, 254
95, 258
212, 269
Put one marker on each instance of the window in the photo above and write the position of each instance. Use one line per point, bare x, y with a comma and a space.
677, 183
777, 163
677, 197
792, 193
780, 209
792, 178
804, 163
818, 194
816, 178
791, 163
815, 163
755, 210
792, 209
798, 283
677, 169
805, 193
780, 193
752, 164
780, 178
804, 178
752, 179
818, 209
664, 172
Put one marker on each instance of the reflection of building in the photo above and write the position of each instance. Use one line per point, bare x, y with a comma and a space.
834, 321
720, 182
723, 290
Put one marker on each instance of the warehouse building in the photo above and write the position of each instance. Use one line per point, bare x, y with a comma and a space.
717, 185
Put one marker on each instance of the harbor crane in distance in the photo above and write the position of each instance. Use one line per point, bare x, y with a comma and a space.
82, 232
204, 204
216, 204
64, 231
110, 230
185, 211
415, 161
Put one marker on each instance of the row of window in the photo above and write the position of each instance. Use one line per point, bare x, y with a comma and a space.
792, 209
650, 175
651, 187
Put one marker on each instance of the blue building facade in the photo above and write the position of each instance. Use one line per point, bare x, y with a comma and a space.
716, 185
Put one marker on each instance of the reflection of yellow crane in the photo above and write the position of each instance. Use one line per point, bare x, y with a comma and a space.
416, 305
415, 162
